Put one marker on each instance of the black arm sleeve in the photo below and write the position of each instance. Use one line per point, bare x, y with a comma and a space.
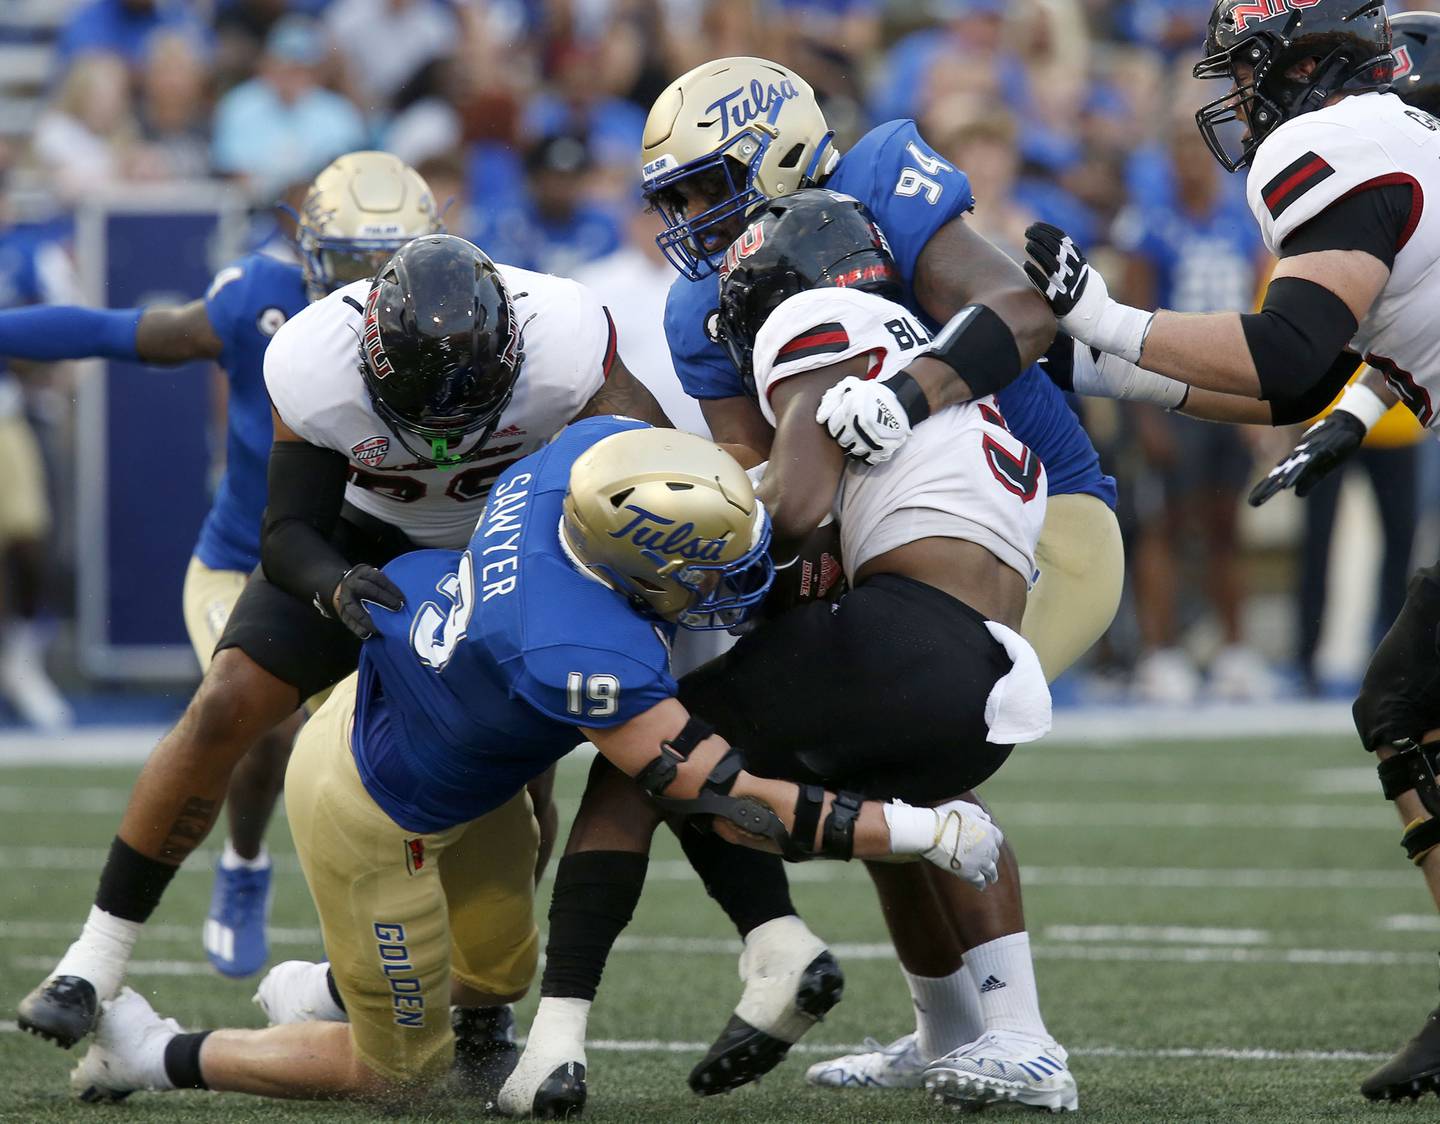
307, 488
1376, 221
1295, 337
1303, 407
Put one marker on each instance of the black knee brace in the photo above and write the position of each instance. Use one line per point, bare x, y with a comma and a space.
1411, 768
1400, 697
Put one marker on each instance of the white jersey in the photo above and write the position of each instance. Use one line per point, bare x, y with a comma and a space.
312, 370
961, 475
1367, 140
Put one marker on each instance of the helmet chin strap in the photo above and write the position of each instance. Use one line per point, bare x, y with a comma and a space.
441, 455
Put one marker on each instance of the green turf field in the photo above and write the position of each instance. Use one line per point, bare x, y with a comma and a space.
1224, 931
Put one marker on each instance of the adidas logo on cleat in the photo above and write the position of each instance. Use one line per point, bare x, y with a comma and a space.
991, 984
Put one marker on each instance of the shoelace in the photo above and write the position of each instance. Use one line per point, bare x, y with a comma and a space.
247, 890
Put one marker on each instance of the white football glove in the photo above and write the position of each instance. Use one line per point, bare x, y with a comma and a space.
1078, 296
865, 418
958, 837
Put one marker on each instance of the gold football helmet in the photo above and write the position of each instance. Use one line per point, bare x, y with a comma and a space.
669, 520
361, 209
738, 131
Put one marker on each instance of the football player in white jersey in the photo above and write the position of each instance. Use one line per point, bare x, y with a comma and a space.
1340, 167
939, 545
397, 403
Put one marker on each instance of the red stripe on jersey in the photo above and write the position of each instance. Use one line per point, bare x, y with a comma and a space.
1405, 386
610, 348
1417, 201
829, 337
1304, 174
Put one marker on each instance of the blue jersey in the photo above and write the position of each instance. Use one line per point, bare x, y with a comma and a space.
478, 684
247, 302
912, 193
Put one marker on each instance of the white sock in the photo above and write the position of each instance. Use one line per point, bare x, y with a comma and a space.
947, 1012
231, 859
1005, 977
314, 987
102, 953
560, 1024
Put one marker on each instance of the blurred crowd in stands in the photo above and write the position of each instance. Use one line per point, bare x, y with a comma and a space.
526, 116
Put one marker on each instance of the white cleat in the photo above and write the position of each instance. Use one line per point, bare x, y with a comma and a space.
548, 1082
791, 983
1004, 1066
899, 1065
26, 684
298, 991
128, 1051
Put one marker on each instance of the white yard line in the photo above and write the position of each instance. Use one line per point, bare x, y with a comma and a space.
1163, 934
883, 951
1121, 726
84, 745
1225, 1053
90, 859
1109, 815
1112, 725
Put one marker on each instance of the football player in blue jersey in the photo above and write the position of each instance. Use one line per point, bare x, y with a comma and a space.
356, 213
719, 142
34, 268
406, 792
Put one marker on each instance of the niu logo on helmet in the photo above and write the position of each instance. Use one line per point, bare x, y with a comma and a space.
1262, 10
370, 340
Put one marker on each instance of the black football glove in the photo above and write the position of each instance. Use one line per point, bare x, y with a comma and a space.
360, 584
1326, 444
1056, 266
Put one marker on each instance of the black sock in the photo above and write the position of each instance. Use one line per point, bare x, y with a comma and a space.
593, 900
131, 885
182, 1060
749, 885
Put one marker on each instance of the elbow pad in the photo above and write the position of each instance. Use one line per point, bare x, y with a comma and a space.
1295, 337
980, 348
1292, 410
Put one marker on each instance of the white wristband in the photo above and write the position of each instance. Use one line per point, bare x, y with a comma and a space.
1121, 330
1364, 403
912, 830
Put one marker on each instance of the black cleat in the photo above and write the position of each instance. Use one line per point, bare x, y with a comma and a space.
62, 1010
485, 1049
1413, 1071
744, 1053
561, 1096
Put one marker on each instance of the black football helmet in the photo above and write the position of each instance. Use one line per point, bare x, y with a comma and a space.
440, 350
1349, 39
1417, 59
811, 239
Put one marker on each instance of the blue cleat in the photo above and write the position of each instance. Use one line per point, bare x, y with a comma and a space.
234, 934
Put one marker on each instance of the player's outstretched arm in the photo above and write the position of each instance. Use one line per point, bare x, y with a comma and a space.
1313, 306
47, 333
996, 326
693, 771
